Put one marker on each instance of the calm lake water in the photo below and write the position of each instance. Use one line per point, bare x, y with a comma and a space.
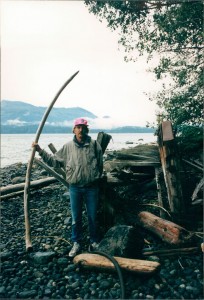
17, 147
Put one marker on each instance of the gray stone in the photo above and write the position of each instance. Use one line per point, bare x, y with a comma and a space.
68, 220
2, 246
104, 284
43, 257
18, 179
75, 285
47, 292
153, 258
5, 255
38, 274
70, 268
27, 294
66, 196
62, 261
2, 290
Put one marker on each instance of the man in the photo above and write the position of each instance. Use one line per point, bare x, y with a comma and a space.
82, 160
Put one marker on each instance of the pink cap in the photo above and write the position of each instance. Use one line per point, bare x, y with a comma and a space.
80, 121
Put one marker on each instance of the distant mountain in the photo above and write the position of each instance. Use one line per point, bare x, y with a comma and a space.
21, 117
21, 113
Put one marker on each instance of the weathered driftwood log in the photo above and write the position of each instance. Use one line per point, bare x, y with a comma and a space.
171, 167
194, 164
116, 164
166, 230
169, 252
20, 186
96, 261
11, 195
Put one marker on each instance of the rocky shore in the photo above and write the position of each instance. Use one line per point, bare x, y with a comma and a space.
48, 273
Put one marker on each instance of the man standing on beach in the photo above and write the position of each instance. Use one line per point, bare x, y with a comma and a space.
82, 160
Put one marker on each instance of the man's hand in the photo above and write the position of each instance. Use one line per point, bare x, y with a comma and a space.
37, 147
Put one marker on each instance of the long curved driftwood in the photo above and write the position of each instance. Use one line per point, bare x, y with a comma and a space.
30, 163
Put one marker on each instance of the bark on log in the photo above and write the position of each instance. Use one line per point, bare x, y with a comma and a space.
20, 186
96, 261
166, 230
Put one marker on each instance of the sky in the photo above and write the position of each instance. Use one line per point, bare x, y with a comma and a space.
43, 43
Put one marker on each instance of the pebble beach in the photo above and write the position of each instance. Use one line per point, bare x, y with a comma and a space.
47, 272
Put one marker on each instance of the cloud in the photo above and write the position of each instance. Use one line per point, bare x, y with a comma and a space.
15, 122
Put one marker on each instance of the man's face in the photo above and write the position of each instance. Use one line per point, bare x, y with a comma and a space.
80, 131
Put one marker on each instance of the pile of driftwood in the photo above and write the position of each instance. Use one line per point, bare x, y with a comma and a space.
128, 166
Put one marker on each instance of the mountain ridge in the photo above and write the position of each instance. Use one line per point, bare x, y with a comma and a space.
19, 113
21, 117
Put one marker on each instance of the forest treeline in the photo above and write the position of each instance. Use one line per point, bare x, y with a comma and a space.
31, 129
173, 31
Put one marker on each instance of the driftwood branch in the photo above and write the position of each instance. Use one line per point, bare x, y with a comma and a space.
30, 163
9, 189
131, 156
170, 252
50, 170
198, 188
11, 195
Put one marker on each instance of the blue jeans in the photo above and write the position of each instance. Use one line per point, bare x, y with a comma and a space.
90, 196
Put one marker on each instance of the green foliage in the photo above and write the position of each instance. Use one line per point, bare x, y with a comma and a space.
174, 30
190, 139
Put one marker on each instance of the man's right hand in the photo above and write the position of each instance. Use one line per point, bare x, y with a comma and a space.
36, 146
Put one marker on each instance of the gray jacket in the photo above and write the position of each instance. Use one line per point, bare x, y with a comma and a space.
83, 164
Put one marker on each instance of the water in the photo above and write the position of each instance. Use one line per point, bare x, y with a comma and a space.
17, 147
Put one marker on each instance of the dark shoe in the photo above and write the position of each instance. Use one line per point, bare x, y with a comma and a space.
75, 249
